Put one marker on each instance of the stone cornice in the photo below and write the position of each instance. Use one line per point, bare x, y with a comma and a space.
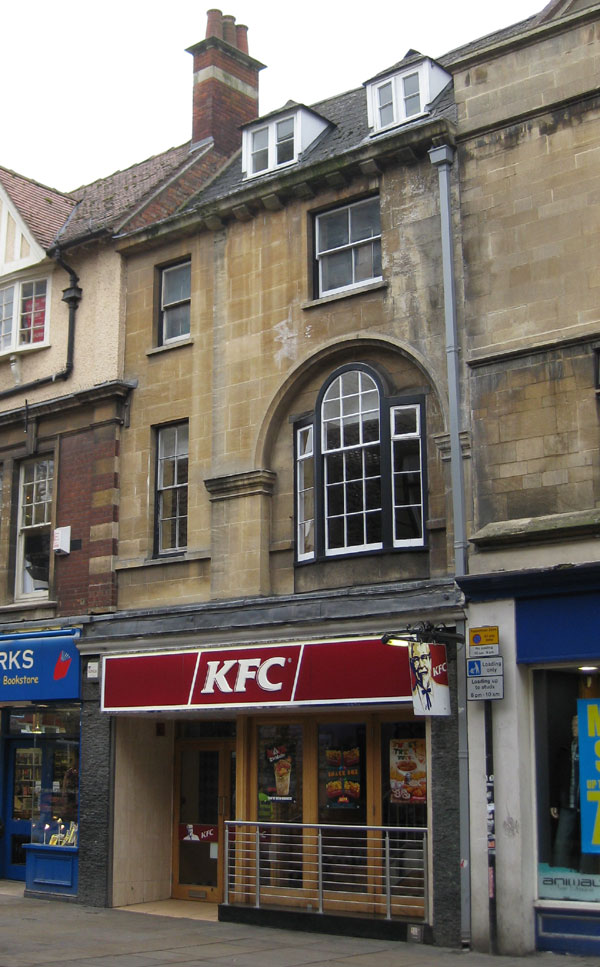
470, 57
246, 484
115, 389
533, 530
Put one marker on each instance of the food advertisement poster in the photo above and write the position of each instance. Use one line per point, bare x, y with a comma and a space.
279, 774
343, 778
408, 771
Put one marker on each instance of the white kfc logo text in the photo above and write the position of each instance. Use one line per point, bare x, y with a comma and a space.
248, 669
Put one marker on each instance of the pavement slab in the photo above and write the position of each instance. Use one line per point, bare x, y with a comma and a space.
52, 933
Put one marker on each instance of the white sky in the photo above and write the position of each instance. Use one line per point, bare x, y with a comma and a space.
92, 87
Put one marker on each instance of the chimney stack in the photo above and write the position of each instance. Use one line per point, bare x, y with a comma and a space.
225, 83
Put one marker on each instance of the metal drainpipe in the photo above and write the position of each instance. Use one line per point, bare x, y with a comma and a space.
442, 158
72, 296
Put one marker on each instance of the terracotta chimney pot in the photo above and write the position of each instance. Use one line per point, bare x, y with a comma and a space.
214, 23
241, 32
229, 33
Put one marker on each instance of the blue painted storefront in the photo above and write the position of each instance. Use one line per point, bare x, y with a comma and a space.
39, 672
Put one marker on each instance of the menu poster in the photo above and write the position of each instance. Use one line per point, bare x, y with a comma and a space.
343, 778
408, 771
279, 783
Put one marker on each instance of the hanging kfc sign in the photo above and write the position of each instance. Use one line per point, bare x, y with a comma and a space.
429, 678
329, 672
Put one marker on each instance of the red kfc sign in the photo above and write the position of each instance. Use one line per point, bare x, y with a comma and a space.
310, 673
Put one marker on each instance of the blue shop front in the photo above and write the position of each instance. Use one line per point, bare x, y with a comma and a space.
556, 614
40, 711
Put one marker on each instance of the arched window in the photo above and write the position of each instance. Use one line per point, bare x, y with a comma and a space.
359, 470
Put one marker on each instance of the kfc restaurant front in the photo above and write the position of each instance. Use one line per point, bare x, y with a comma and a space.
302, 776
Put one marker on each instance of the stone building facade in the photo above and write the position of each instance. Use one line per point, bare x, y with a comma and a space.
528, 140
350, 374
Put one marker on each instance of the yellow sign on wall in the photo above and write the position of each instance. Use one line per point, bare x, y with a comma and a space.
483, 636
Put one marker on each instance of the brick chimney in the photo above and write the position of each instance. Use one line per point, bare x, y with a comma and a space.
225, 83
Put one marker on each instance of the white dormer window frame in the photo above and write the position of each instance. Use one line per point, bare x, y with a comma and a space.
399, 99
272, 145
405, 95
278, 141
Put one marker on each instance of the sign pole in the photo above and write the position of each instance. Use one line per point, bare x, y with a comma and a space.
491, 826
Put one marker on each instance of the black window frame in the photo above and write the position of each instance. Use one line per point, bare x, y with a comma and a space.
387, 402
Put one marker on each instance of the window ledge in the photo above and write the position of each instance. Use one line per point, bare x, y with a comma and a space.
542, 904
170, 345
170, 559
335, 296
30, 348
27, 605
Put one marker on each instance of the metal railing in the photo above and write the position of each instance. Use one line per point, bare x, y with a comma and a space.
370, 870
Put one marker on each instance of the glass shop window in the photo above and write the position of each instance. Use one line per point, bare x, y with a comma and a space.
342, 803
567, 731
342, 773
404, 783
280, 801
280, 773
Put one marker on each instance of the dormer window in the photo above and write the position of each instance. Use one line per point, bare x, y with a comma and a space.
285, 141
386, 105
273, 145
277, 141
412, 98
398, 97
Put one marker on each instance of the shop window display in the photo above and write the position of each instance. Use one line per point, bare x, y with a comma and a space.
280, 801
568, 802
42, 752
343, 802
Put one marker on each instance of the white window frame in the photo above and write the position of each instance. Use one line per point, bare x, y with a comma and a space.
274, 140
353, 409
15, 342
305, 493
35, 502
166, 308
398, 99
176, 487
323, 254
397, 438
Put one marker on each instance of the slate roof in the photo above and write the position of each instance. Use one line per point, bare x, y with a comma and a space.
349, 129
42, 209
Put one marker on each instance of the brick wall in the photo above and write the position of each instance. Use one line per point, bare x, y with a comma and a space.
88, 502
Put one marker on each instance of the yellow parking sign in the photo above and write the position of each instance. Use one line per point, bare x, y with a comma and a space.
483, 636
